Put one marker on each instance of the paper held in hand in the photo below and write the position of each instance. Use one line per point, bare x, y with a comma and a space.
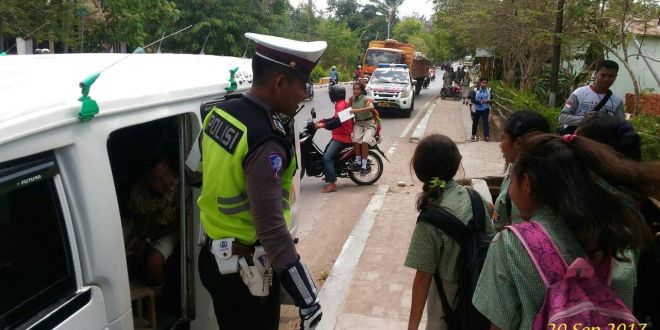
345, 114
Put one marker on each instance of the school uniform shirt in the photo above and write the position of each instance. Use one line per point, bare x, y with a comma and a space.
500, 205
510, 291
430, 248
585, 99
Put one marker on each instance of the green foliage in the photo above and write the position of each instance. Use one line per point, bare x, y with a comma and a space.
648, 128
514, 100
564, 84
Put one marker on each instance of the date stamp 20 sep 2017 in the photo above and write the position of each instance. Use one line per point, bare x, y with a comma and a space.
610, 326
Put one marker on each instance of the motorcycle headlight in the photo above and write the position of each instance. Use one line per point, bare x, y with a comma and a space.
405, 93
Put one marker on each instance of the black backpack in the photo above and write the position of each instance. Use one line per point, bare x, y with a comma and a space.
473, 241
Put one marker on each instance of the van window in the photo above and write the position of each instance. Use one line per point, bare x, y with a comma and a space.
36, 269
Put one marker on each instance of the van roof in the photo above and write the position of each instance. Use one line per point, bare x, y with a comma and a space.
47, 85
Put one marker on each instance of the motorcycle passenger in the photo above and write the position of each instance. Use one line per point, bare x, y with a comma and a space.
364, 128
341, 136
334, 76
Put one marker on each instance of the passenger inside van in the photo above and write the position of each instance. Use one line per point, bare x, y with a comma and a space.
152, 227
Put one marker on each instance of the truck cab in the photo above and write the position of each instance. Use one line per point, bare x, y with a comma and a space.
66, 178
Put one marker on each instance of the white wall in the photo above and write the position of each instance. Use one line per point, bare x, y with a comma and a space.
650, 48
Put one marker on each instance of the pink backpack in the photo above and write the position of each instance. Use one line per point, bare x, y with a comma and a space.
575, 295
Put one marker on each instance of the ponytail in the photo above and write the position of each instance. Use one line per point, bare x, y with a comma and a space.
591, 188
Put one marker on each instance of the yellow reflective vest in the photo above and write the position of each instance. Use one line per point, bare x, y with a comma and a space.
231, 132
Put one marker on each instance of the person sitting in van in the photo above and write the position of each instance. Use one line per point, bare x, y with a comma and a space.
154, 205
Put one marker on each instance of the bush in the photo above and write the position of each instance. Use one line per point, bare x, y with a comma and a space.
648, 128
511, 99
345, 74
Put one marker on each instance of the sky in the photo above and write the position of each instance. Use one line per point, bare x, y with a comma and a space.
424, 7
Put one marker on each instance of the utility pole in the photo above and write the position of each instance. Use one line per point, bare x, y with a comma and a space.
556, 54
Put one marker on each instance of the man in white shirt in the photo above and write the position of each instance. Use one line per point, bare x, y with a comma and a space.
584, 101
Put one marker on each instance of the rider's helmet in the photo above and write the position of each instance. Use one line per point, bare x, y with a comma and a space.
359, 66
334, 67
337, 93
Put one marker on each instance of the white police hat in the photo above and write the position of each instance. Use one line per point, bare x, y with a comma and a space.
300, 56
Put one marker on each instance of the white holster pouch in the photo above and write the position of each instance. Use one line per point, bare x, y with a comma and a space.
259, 277
222, 250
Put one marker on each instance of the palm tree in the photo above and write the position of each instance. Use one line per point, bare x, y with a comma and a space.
388, 8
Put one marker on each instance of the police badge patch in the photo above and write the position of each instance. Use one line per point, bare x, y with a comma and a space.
276, 161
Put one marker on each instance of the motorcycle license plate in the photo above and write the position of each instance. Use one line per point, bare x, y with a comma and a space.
384, 104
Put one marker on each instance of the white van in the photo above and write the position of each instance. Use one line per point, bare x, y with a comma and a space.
64, 185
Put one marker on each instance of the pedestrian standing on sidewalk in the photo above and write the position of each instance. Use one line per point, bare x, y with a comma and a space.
519, 124
553, 183
593, 99
364, 127
482, 99
341, 136
465, 83
435, 162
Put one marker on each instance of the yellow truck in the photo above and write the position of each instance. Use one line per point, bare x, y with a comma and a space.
390, 51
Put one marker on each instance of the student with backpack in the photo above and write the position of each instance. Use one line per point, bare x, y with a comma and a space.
621, 136
514, 128
435, 252
568, 263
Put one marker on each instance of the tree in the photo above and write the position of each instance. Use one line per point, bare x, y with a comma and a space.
611, 31
388, 8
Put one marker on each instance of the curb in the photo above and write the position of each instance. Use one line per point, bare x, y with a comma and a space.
335, 289
418, 134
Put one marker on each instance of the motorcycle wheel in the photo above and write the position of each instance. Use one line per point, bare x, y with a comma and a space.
443, 95
458, 97
376, 170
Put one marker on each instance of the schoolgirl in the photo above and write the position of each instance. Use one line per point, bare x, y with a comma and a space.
435, 162
554, 182
514, 128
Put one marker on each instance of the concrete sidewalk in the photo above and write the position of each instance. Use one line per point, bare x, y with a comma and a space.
368, 287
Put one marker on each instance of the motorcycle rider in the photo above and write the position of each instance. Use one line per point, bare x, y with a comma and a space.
334, 76
341, 136
357, 74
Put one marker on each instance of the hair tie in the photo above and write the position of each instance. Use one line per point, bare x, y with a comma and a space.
435, 181
568, 138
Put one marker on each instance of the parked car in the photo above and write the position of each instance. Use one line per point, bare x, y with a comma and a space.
392, 88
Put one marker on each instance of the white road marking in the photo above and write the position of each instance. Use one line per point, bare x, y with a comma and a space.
414, 119
421, 127
334, 291
392, 149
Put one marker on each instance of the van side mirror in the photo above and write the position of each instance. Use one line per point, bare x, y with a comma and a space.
313, 114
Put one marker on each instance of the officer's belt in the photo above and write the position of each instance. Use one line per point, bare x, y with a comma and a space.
237, 248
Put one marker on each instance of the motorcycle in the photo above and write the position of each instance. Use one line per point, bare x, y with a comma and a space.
331, 83
312, 158
454, 91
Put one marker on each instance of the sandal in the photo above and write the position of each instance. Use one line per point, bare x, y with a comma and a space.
331, 187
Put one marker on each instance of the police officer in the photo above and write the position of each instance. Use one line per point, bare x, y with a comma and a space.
248, 165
